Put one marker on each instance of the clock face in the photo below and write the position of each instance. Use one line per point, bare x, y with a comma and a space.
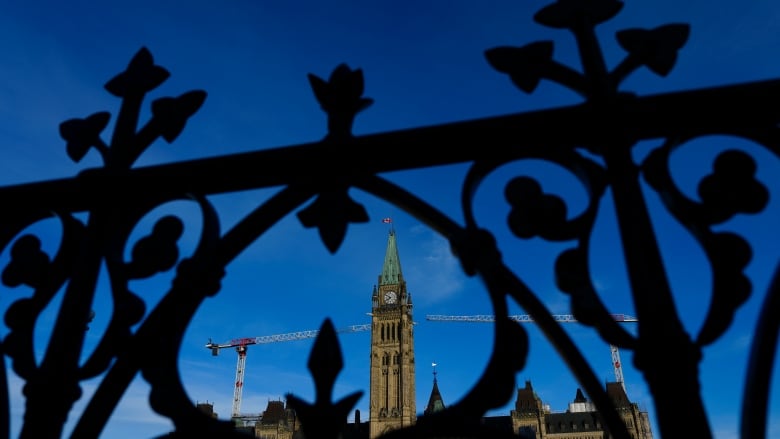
390, 297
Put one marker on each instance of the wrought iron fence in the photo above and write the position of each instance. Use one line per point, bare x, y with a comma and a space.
595, 147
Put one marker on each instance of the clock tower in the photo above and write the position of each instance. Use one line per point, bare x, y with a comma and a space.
391, 393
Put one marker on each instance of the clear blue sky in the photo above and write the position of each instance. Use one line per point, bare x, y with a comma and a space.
423, 64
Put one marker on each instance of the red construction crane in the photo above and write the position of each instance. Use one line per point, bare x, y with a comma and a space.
240, 344
563, 318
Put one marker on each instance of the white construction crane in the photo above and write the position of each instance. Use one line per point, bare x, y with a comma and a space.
240, 344
563, 318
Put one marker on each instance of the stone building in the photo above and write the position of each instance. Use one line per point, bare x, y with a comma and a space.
277, 422
532, 419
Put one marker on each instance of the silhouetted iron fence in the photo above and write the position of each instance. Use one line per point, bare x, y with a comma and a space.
313, 180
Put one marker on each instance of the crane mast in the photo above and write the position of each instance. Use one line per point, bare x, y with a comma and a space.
563, 318
241, 344
239, 386
616, 364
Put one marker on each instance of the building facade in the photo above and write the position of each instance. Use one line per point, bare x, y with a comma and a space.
532, 419
277, 422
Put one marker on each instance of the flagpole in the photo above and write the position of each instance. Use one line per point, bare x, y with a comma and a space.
388, 220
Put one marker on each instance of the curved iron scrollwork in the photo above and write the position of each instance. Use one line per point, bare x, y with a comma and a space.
595, 147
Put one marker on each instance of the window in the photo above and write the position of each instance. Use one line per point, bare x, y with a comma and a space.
527, 431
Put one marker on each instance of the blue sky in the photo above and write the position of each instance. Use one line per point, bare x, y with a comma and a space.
423, 64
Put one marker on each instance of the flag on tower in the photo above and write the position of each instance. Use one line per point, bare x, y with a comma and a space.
387, 220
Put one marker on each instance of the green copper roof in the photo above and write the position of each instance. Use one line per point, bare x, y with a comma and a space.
391, 269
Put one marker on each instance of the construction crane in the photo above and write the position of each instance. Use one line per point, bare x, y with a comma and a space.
241, 344
563, 318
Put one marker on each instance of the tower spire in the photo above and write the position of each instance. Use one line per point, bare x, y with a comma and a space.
435, 401
391, 268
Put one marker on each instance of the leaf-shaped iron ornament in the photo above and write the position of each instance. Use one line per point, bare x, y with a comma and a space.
141, 76
528, 64
82, 134
29, 264
656, 48
331, 213
169, 116
156, 252
172, 113
534, 212
732, 187
524, 65
324, 419
570, 14
341, 97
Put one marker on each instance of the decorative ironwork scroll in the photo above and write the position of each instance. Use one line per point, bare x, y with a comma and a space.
595, 146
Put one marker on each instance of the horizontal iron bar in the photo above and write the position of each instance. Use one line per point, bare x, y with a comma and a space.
715, 110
